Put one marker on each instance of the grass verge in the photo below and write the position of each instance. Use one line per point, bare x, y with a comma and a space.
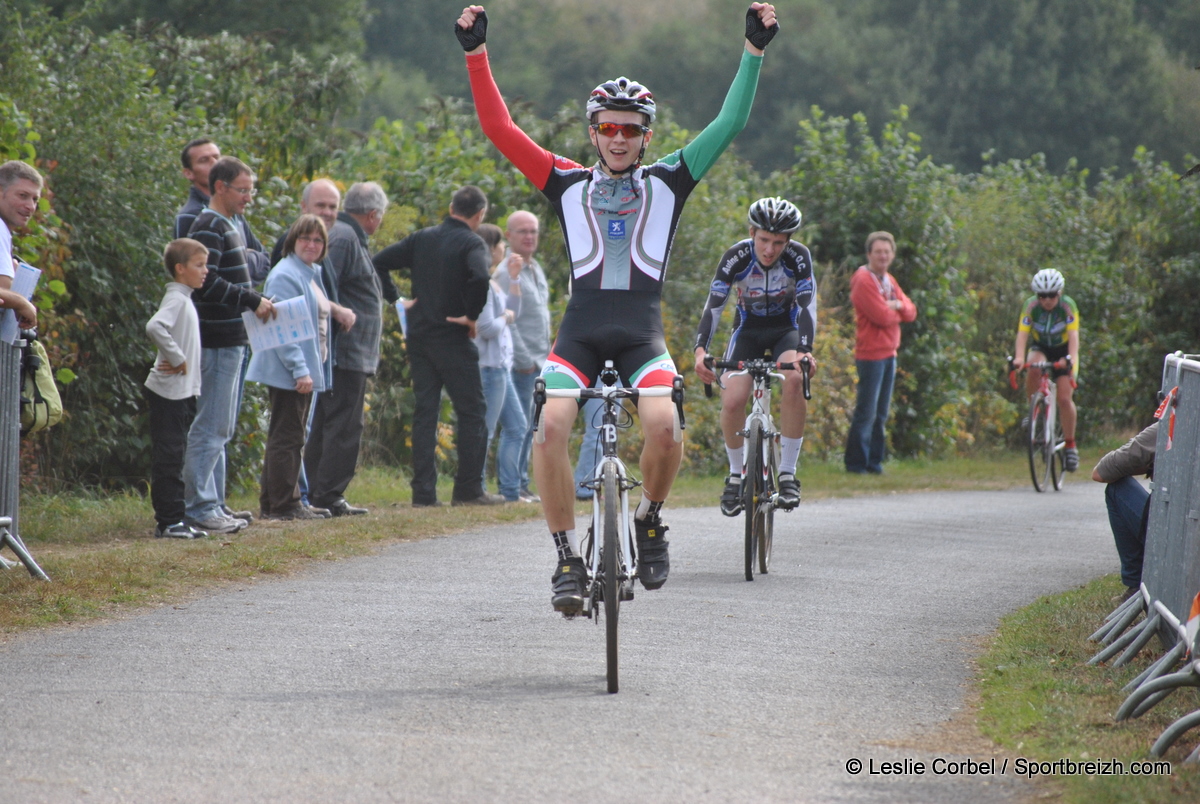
1040, 700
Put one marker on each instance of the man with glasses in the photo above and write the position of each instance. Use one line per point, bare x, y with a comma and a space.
531, 330
618, 219
198, 157
1049, 326
226, 292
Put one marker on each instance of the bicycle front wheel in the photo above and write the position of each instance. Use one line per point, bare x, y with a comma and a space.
752, 492
766, 529
611, 567
1039, 463
1058, 461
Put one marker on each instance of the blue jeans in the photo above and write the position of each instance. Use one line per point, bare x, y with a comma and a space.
1128, 505
504, 408
589, 449
523, 385
866, 443
213, 427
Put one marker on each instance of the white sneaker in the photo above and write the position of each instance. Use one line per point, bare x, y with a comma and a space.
219, 523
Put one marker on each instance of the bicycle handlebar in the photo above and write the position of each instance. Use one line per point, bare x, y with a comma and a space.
613, 392
756, 367
1036, 364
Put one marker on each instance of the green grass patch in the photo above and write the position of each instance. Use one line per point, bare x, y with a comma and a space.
1039, 699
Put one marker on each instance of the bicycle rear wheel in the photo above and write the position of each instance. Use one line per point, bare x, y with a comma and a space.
766, 530
1039, 464
752, 492
612, 567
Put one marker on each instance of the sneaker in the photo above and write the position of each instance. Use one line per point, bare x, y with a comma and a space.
340, 507
433, 504
179, 530
246, 515
789, 492
654, 563
219, 523
483, 499
1070, 459
731, 497
567, 585
527, 496
321, 513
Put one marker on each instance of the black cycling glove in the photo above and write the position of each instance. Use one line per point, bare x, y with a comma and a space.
758, 34
476, 35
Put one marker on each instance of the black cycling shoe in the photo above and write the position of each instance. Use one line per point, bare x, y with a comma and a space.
654, 563
567, 585
789, 492
731, 497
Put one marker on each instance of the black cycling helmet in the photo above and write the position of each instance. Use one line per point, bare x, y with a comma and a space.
775, 215
621, 95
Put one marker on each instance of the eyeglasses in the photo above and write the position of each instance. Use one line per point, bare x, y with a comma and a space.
1048, 295
317, 241
250, 193
630, 130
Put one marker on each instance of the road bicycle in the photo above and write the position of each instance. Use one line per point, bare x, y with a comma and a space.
1047, 462
608, 548
760, 483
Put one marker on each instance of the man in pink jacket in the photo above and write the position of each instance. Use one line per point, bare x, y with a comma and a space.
879, 307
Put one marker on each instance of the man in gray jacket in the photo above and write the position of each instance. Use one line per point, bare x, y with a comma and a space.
531, 331
331, 455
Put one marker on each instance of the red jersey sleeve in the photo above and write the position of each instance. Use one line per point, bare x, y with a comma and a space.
534, 161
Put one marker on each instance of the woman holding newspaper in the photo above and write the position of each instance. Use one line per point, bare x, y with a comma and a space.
293, 371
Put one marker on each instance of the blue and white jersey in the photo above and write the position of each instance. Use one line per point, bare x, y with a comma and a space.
777, 296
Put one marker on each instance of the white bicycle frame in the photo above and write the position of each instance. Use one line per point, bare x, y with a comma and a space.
760, 410
612, 394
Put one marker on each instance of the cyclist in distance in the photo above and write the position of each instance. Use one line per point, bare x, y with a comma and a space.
1050, 327
776, 312
618, 219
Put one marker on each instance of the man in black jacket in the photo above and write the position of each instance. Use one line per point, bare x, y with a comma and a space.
448, 264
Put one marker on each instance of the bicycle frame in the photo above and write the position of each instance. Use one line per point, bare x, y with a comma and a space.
1050, 446
619, 588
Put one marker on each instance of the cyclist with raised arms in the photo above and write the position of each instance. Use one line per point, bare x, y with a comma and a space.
1050, 327
771, 276
618, 218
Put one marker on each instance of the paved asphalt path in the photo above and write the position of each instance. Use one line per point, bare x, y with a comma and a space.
436, 671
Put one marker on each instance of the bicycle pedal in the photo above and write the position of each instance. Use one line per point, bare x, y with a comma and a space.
626, 591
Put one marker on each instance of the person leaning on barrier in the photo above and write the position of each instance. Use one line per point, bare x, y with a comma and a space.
1128, 501
20, 190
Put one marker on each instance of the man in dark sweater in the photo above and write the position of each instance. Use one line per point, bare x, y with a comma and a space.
449, 265
226, 292
198, 157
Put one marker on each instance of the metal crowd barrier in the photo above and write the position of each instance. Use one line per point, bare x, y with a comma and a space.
1171, 565
10, 459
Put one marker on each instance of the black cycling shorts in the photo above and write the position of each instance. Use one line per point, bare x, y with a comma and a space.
624, 326
1054, 354
751, 344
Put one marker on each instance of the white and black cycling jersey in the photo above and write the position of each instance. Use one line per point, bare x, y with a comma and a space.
780, 296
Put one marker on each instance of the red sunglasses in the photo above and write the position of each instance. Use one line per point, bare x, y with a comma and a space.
630, 130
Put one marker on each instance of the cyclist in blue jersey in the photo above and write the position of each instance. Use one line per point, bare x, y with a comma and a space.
771, 278
618, 218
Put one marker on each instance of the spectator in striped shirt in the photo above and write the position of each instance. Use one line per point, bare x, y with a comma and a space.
226, 292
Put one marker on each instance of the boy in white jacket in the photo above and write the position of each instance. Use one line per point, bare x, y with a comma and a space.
174, 384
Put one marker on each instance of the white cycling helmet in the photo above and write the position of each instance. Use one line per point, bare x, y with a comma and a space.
621, 95
775, 215
1047, 280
